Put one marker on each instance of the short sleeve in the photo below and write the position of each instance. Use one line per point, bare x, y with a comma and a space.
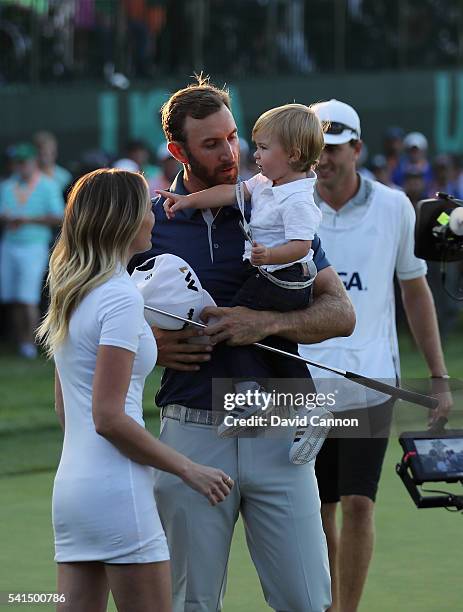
121, 318
319, 257
301, 219
407, 265
257, 179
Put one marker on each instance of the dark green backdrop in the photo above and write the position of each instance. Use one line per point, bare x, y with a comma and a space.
85, 116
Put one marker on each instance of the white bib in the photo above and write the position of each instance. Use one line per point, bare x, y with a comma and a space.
364, 255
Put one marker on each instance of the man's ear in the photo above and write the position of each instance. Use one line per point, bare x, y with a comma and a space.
357, 146
177, 150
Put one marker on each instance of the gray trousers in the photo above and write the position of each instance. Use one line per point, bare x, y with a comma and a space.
280, 508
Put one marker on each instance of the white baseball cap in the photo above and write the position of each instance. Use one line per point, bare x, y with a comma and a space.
167, 282
416, 139
344, 122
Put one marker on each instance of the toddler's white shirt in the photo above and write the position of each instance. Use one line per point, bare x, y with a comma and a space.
282, 213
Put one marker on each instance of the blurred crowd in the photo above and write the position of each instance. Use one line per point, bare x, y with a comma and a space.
33, 189
119, 40
32, 200
405, 163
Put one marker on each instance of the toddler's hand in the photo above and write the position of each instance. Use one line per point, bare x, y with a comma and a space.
173, 202
259, 254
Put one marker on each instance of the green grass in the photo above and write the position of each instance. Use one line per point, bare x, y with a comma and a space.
27, 399
418, 557
416, 567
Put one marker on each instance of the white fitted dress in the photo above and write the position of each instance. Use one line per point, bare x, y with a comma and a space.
103, 502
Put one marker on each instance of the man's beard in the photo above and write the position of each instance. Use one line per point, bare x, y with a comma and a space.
211, 179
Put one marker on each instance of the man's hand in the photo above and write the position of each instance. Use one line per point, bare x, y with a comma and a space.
238, 326
174, 350
440, 389
259, 254
173, 202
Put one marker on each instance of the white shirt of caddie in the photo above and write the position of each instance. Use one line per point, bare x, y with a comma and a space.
282, 213
367, 241
407, 265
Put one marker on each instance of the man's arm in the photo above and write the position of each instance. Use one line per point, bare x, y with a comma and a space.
421, 315
331, 315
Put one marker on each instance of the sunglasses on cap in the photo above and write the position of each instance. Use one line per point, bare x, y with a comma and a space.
335, 128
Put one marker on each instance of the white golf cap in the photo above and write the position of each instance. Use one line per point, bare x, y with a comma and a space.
416, 139
167, 282
343, 119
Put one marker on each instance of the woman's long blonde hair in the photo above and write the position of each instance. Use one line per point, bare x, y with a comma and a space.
104, 212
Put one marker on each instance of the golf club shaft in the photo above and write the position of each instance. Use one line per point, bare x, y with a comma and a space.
371, 383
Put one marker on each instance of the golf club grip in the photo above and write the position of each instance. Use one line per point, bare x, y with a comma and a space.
408, 396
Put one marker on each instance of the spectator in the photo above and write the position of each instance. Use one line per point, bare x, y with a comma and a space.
8, 163
292, 48
30, 204
362, 164
415, 159
140, 153
90, 160
414, 185
393, 144
380, 170
47, 151
444, 177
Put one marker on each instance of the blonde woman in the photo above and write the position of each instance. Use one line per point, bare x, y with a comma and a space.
107, 530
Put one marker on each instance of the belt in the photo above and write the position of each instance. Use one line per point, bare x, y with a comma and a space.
192, 415
308, 268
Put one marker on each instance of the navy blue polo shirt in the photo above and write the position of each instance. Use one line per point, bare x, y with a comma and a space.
212, 243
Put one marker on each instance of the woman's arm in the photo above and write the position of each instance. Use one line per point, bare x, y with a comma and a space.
215, 197
59, 403
285, 253
110, 385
